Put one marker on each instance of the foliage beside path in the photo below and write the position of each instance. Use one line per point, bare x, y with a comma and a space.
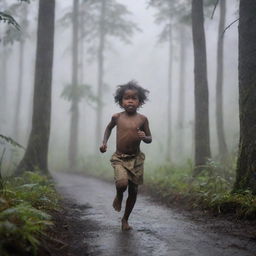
26, 204
210, 191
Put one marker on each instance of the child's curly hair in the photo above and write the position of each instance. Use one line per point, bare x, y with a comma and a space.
132, 85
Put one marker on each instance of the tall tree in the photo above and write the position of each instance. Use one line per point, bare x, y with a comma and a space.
36, 155
184, 23
169, 93
223, 151
101, 49
246, 163
165, 16
3, 86
15, 33
202, 137
170, 13
23, 24
81, 31
181, 96
73, 138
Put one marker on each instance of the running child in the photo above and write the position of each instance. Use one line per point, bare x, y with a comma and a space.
128, 160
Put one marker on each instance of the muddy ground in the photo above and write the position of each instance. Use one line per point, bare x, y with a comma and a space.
87, 225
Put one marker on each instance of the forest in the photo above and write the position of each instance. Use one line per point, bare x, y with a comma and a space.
60, 65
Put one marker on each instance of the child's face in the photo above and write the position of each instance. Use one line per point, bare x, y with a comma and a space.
130, 101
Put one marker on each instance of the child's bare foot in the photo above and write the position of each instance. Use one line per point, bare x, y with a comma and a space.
125, 225
117, 204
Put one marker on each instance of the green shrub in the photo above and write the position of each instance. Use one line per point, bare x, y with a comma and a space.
24, 203
211, 189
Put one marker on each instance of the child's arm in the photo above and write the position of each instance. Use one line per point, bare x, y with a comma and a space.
144, 133
110, 126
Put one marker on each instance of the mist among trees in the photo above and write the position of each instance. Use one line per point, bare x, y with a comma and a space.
61, 65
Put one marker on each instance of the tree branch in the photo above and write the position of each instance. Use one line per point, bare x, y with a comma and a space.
215, 6
229, 26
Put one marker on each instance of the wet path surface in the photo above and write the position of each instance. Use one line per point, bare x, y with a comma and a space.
157, 230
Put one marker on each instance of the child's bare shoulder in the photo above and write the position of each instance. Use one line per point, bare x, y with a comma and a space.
142, 117
116, 116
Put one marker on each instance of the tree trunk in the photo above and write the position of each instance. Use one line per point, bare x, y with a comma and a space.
81, 43
202, 138
3, 80
73, 139
20, 75
101, 49
3, 88
19, 92
169, 100
181, 106
223, 151
246, 164
81, 61
36, 154
30, 113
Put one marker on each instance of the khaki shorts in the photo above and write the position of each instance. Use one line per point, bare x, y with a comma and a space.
129, 167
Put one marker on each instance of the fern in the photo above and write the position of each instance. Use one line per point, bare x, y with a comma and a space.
5, 17
9, 19
24, 203
22, 223
25, 212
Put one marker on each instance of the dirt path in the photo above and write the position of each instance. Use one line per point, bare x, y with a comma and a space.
158, 230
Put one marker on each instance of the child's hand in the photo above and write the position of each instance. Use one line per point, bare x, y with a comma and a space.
141, 134
103, 148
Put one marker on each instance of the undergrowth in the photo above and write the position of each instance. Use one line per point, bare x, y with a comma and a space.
210, 190
98, 167
24, 205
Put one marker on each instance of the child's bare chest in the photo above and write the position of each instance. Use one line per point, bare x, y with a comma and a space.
129, 123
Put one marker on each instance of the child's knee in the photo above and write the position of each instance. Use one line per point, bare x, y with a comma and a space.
133, 189
122, 184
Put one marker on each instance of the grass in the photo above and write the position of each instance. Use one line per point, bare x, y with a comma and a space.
25, 203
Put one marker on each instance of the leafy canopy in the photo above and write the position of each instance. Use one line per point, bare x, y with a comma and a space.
115, 22
6, 17
175, 12
170, 13
79, 92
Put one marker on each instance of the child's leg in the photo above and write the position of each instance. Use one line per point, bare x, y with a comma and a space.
121, 186
130, 202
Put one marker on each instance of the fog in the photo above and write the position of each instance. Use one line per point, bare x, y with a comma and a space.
144, 60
